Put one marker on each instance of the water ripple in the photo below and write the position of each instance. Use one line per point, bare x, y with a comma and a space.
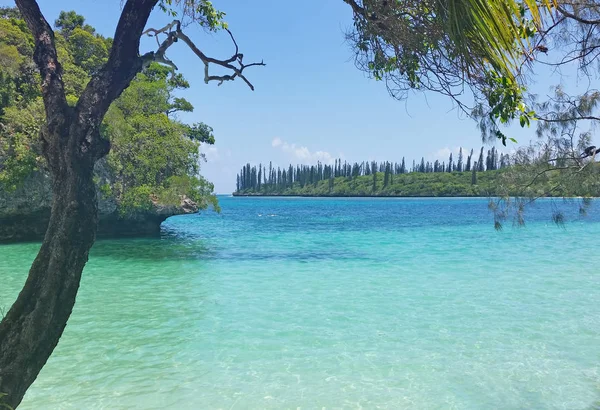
415, 304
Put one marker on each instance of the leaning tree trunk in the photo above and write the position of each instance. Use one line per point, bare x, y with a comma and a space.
72, 144
32, 327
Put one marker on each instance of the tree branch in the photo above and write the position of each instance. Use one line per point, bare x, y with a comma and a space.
173, 33
355, 7
47, 62
577, 118
575, 17
124, 62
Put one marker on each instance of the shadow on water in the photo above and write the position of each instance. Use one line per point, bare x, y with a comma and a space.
165, 247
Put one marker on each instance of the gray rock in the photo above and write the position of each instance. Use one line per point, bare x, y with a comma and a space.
24, 213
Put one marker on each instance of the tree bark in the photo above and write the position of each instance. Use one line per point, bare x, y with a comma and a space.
71, 144
32, 327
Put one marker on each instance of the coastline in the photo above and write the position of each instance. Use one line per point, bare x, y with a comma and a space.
392, 196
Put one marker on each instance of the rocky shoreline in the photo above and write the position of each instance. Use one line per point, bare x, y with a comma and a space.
25, 213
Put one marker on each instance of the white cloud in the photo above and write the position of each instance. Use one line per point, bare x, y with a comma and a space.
302, 153
212, 153
444, 153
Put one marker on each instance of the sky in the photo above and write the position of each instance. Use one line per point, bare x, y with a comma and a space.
310, 102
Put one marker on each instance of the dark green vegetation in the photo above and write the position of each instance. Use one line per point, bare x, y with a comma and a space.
154, 158
492, 174
471, 176
409, 184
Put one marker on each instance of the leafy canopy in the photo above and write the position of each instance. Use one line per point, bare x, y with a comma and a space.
447, 46
154, 159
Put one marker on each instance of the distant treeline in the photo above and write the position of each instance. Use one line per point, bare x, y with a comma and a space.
268, 180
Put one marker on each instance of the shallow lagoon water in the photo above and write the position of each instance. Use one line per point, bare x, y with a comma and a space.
332, 303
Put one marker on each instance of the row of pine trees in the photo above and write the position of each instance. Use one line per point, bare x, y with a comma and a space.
270, 179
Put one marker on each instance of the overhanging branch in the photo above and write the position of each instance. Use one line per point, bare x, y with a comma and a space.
173, 33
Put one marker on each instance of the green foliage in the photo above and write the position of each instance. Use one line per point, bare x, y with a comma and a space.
199, 189
89, 51
153, 150
506, 103
15, 68
68, 21
200, 11
19, 143
412, 184
441, 45
137, 198
154, 159
200, 132
105, 190
9, 13
510, 181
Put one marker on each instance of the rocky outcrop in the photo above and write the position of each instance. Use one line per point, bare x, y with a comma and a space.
25, 212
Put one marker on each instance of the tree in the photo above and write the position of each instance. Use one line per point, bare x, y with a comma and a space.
450, 164
374, 186
443, 46
459, 164
480, 164
68, 21
474, 174
72, 144
565, 118
386, 175
468, 166
259, 178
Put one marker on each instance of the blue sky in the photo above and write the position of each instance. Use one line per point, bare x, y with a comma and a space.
310, 101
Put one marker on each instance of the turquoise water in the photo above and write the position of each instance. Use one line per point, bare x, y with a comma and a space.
332, 303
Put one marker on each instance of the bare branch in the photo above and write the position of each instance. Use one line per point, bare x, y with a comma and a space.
173, 33
575, 17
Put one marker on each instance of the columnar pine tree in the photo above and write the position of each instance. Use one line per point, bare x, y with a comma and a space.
259, 176
480, 163
386, 175
252, 179
374, 182
468, 167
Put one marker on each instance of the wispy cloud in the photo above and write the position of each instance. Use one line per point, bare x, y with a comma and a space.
211, 153
444, 153
302, 153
